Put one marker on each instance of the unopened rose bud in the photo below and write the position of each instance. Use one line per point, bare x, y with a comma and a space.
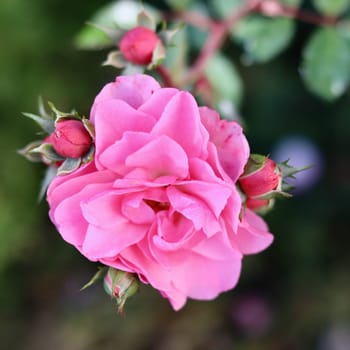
261, 176
138, 44
70, 139
120, 285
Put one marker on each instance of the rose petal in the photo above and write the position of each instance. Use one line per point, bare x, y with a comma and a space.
252, 235
112, 119
157, 102
202, 278
67, 215
160, 157
193, 209
114, 156
181, 122
214, 195
228, 137
134, 89
109, 232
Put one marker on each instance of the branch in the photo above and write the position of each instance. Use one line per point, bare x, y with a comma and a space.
218, 32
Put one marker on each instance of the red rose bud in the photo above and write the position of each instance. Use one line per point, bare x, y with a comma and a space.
261, 176
138, 44
120, 285
70, 139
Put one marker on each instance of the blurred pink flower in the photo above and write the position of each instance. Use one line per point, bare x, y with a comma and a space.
138, 44
160, 198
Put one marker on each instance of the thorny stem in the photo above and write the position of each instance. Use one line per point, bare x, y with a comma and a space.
218, 30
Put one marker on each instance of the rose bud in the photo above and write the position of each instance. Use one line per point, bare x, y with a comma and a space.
70, 139
120, 285
261, 176
138, 44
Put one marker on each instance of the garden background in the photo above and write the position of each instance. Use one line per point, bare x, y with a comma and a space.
295, 295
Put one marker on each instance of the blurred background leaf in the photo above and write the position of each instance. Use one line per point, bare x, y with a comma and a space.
331, 7
263, 38
325, 66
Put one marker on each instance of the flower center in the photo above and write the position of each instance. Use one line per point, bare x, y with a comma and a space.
157, 206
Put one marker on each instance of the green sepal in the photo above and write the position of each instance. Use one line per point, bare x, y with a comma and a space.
48, 152
50, 174
89, 127
48, 125
273, 194
288, 171
254, 164
145, 20
89, 155
99, 275
28, 154
63, 115
69, 165
42, 109
167, 35
158, 56
115, 59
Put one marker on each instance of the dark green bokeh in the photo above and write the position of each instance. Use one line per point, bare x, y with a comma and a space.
303, 277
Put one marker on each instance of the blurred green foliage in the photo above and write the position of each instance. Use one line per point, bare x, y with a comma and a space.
303, 277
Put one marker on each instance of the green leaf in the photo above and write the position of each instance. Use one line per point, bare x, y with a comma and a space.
291, 2
331, 7
118, 14
224, 79
91, 38
180, 4
343, 29
263, 38
325, 66
177, 53
224, 7
197, 36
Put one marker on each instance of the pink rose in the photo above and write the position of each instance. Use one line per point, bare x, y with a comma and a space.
160, 198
